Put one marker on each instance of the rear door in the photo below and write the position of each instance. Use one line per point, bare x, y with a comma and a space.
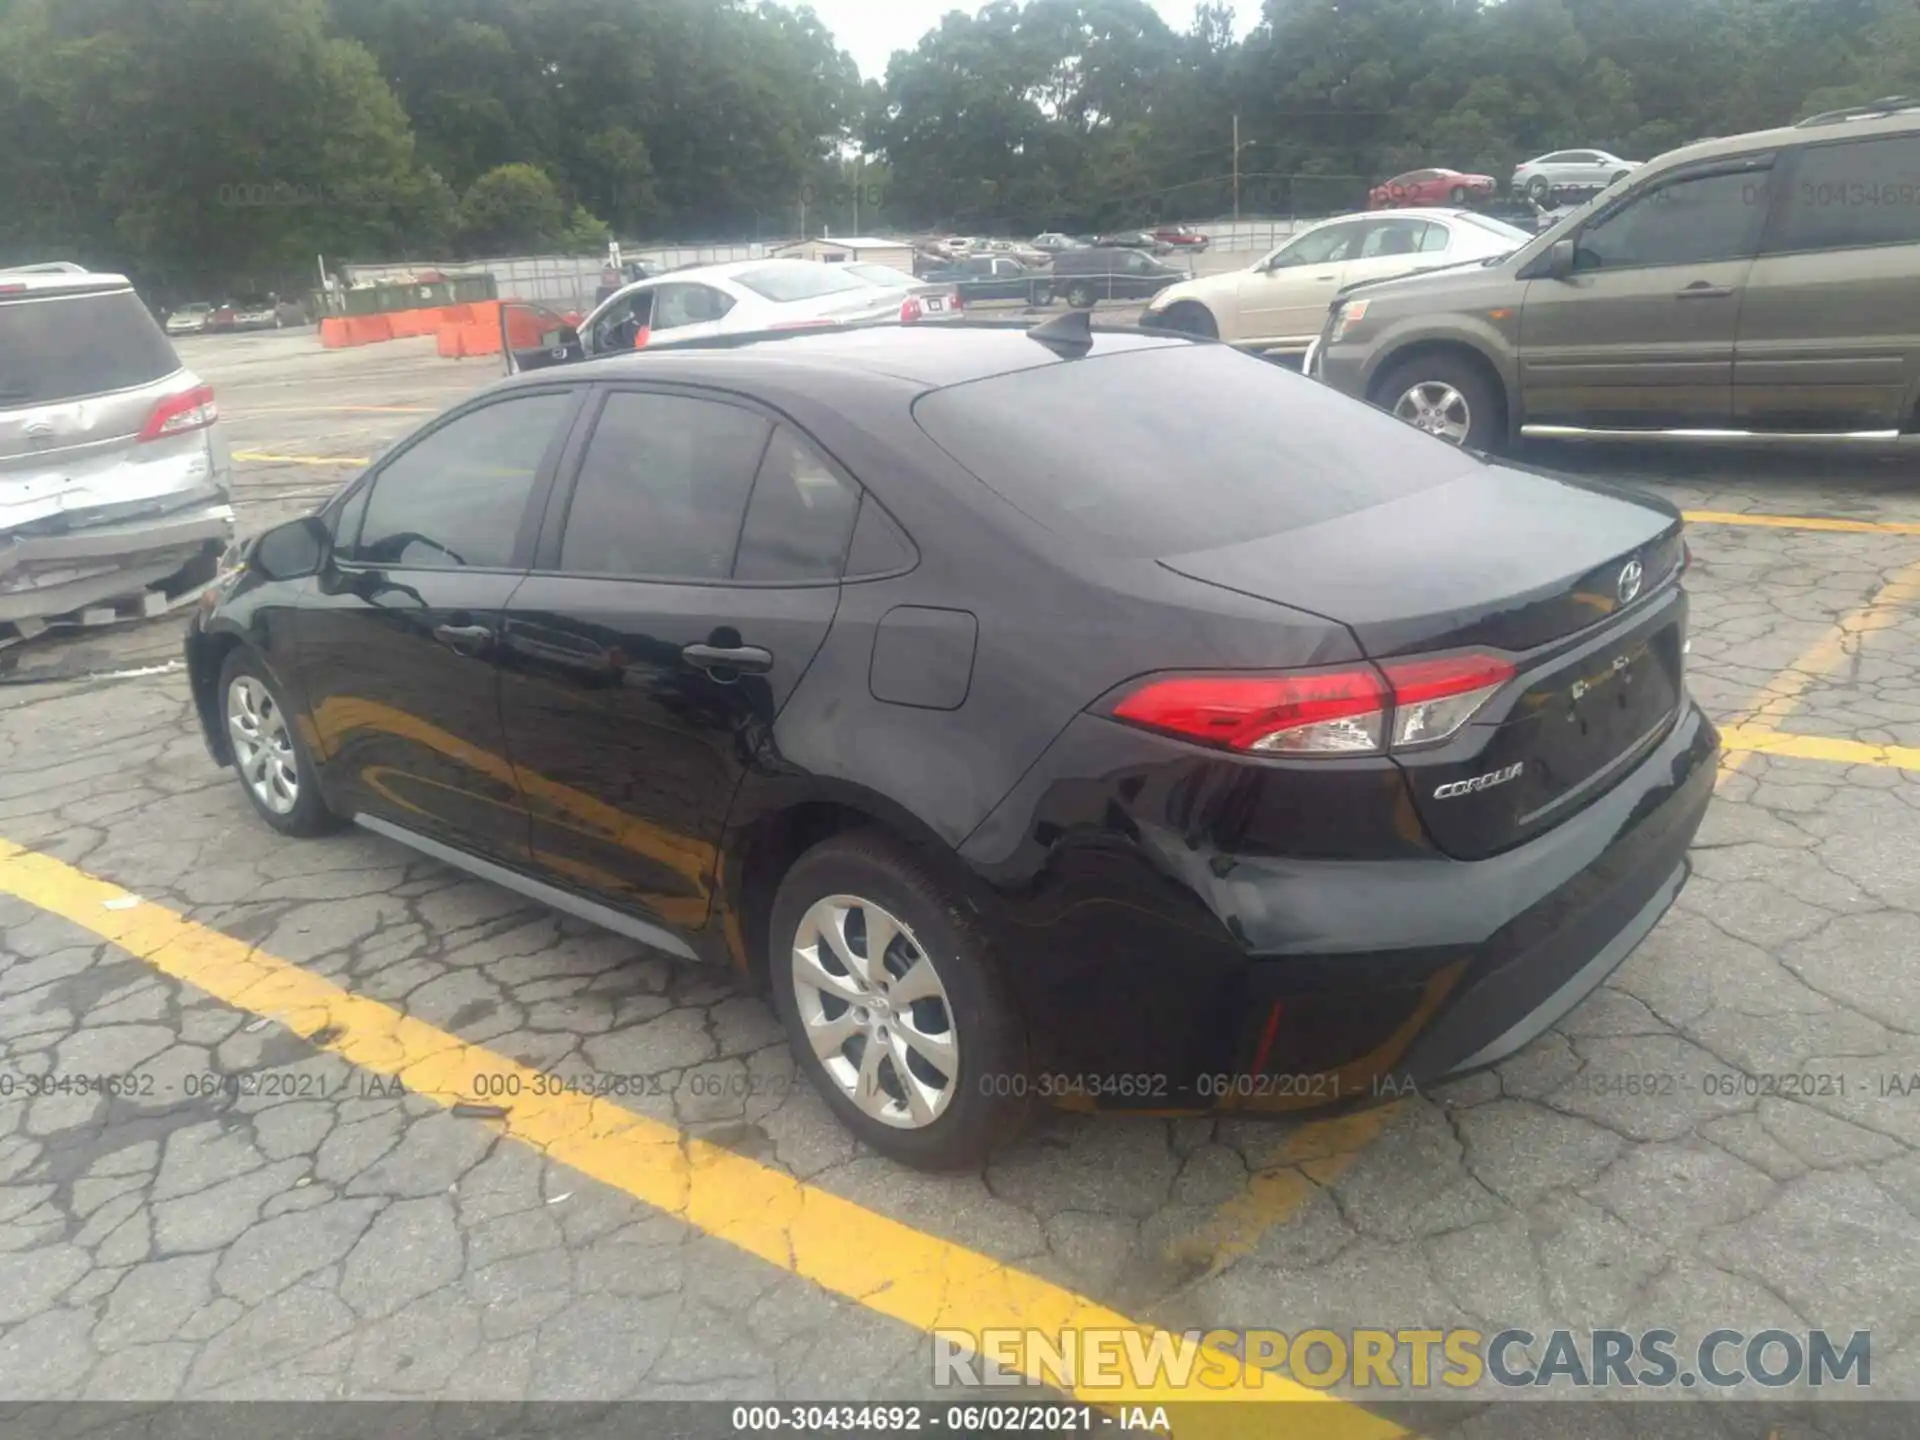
685, 580
1830, 330
1641, 335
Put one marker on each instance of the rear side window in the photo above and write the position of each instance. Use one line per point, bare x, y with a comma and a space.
1168, 450
61, 349
800, 519
1864, 192
455, 499
662, 488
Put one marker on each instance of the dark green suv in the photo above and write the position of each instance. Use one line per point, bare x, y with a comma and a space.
1760, 286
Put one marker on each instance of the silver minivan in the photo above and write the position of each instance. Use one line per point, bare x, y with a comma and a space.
115, 476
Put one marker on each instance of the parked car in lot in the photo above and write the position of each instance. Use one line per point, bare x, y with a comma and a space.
115, 478
1105, 272
699, 303
1279, 303
995, 277
1182, 237
1430, 187
954, 245
252, 312
1569, 170
1052, 242
189, 319
1133, 240
1013, 250
885, 668
920, 299
1739, 288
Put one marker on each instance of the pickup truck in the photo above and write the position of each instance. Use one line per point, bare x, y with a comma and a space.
994, 277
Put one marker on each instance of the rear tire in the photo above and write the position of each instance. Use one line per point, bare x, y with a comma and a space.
1189, 317
1540, 188
1449, 397
936, 979
1080, 295
276, 773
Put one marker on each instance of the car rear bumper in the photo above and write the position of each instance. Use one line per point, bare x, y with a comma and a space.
50, 576
1207, 982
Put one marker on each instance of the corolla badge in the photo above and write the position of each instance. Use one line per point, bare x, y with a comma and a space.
1628, 585
1479, 782
39, 434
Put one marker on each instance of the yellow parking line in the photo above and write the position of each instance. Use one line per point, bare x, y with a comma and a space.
1802, 522
1758, 740
860, 1254
266, 459
333, 410
1782, 695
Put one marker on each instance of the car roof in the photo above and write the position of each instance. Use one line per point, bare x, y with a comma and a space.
1835, 125
49, 282
931, 356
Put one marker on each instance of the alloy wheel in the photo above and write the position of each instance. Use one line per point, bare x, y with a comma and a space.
1437, 408
875, 1011
262, 745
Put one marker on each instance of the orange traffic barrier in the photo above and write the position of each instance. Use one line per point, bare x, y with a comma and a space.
333, 332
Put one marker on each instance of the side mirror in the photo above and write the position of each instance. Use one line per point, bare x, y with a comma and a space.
1560, 257
292, 551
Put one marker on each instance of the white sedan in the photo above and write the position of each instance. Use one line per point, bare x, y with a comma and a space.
700, 303
1278, 304
1539, 177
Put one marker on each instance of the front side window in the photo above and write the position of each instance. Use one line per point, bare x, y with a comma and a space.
662, 488
1692, 221
455, 499
1318, 247
621, 323
1863, 192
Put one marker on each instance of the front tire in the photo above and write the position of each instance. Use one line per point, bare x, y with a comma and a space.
276, 772
1189, 317
1540, 188
1449, 397
1080, 295
894, 1005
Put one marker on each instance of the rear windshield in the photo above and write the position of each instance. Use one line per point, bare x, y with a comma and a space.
75, 345
803, 280
883, 275
1164, 451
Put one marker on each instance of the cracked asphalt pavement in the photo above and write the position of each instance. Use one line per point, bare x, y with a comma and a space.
1727, 1134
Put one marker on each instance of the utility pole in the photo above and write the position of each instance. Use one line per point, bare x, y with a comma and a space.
803, 209
1236, 167
859, 174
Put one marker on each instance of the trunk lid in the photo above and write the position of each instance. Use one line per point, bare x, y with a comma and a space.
1575, 584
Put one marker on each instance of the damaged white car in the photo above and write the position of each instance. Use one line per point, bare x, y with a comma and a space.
115, 477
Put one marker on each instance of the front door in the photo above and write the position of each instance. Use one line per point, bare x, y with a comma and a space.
647, 657
533, 337
1286, 296
1640, 336
397, 649
1830, 331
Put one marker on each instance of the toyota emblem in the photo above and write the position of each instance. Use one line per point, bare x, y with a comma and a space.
1628, 586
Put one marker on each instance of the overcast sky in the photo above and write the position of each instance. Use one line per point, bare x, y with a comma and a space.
871, 30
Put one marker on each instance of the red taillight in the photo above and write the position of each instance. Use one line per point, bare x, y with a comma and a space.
1404, 704
910, 310
1327, 712
1686, 557
177, 414
1432, 699
958, 302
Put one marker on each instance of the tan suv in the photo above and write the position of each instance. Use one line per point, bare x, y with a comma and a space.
1763, 286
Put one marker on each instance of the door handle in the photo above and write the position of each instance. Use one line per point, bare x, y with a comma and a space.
748, 659
1701, 290
1334, 276
467, 640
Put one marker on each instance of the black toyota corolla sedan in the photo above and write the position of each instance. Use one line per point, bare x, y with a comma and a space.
1113, 719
